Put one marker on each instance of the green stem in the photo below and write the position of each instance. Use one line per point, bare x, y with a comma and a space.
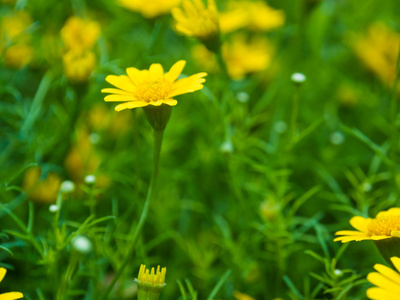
62, 289
393, 119
158, 136
295, 113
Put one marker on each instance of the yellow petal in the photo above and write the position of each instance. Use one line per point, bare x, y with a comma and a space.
389, 273
117, 98
156, 103
380, 237
175, 71
381, 281
360, 223
350, 232
156, 71
133, 74
185, 90
11, 296
199, 5
178, 15
170, 102
115, 91
130, 105
396, 262
122, 82
346, 239
189, 9
395, 233
381, 294
3, 272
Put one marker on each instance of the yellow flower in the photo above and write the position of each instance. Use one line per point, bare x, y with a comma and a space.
14, 40
243, 57
151, 283
38, 190
240, 296
386, 225
78, 33
18, 55
378, 49
151, 87
386, 280
10, 295
255, 15
78, 65
204, 58
150, 9
195, 20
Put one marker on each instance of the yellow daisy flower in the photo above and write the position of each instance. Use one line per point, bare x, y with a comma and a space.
151, 283
150, 9
387, 282
79, 33
386, 225
195, 20
256, 15
151, 87
10, 295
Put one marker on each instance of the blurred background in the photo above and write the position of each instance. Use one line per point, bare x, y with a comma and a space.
241, 186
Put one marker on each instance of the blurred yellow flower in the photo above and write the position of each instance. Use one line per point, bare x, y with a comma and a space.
14, 41
150, 9
240, 296
204, 58
245, 57
195, 20
151, 87
80, 34
38, 190
78, 65
386, 280
82, 158
100, 119
386, 225
10, 295
255, 15
378, 50
18, 55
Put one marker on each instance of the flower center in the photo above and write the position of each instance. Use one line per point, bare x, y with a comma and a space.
151, 91
384, 225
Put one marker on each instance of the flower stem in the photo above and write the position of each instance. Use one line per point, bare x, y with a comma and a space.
158, 136
295, 113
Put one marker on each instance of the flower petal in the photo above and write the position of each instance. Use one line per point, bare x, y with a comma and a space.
170, 102
134, 74
130, 105
11, 296
156, 71
3, 272
376, 293
350, 232
156, 103
360, 223
389, 273
381, 281
396, 262
117, 98
175, 71
122, 82
345, 239
115, 91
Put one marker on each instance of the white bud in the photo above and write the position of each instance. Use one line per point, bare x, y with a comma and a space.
298, 77
366, 186
82, 244
94, 138
67, 186
226, 147
337, 138
338, 272
280, 126
53, 208
242, 97
90, 179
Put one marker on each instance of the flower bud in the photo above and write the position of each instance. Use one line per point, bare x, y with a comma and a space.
151, 283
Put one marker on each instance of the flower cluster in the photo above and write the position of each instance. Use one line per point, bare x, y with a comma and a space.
79, 37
